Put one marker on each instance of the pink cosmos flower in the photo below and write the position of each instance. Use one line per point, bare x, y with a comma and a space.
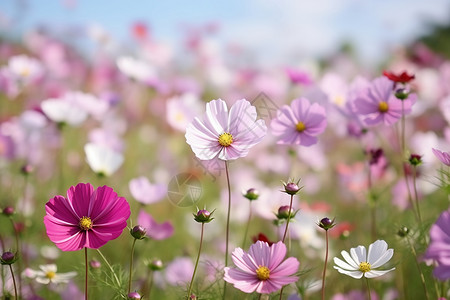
154, 230
438, 249
145, 192
262, 269
86, 218
300, 123
225, 135
444, 157
379, 104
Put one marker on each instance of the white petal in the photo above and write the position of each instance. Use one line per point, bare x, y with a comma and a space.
354, 274
343, 264
376, 251
383, 259
376, 273
359, 254
43, 280
349, 259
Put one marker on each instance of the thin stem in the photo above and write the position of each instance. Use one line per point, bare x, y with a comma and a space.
18, 250
325, 265
150, 286
422, 277
372, 204
403, 129
368, 289
196, 262
248, 223
131, 266
288, 219
110, 268
14, 281
86, 274
416, 197
228, 225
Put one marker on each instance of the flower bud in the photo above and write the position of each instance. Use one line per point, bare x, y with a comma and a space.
192, 297
415, 159
403, 232
284, 212
402, 93
326, 223
95, 264
8, 211
251, 194
203, 216
155, 265
138, 232
133, 296
27, 169
8, 258
291, 188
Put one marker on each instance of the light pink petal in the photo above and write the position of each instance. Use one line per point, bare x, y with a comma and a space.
260, 252
277, 254
217, 115
242, 281
241, 261
286, 268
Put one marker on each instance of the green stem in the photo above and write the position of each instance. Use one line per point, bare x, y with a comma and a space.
14, 281
368, 289
110, 268
248, 223
288, 219
416, 197
422, 277
228, 225
150, 286
86, 274
131, 266
325, 265
196, 262
18, 251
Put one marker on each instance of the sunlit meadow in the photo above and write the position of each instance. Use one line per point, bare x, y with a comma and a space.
145, 172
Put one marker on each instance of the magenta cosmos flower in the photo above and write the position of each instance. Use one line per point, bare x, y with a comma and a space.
444, 157
439, 248
300, 123
225, 135
86, 218
262, 269
379, 105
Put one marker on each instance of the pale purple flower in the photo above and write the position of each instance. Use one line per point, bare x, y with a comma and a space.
300, 123
379, 105
145, 192
179, 271
153, 229
439, 247
444, 157
223, 134
25, 69
181, 110
262, 269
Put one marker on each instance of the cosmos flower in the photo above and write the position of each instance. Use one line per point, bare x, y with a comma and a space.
47, 274
145, 192
154, 230
402, 77
300, 123
262, 269
359, 263
438, 249
223, 134
444, 157
65, 111
181, 110
86, 218
379, 105
102, 159
24, 69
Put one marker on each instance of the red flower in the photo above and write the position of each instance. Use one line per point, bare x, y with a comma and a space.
263, 238
403, 77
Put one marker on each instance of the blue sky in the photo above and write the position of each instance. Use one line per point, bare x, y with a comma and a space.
273, 29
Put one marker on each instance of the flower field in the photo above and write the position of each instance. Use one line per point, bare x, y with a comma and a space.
153, 173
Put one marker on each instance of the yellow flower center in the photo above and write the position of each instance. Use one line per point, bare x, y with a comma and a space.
50, 274
263, 273
85, 223
25, 72
383, 107
300, 126
225, 139
364, 267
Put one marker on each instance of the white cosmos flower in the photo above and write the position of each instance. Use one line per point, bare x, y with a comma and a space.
62, 111
359, 263
102, 159
136, 69
25, 68
47, 274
